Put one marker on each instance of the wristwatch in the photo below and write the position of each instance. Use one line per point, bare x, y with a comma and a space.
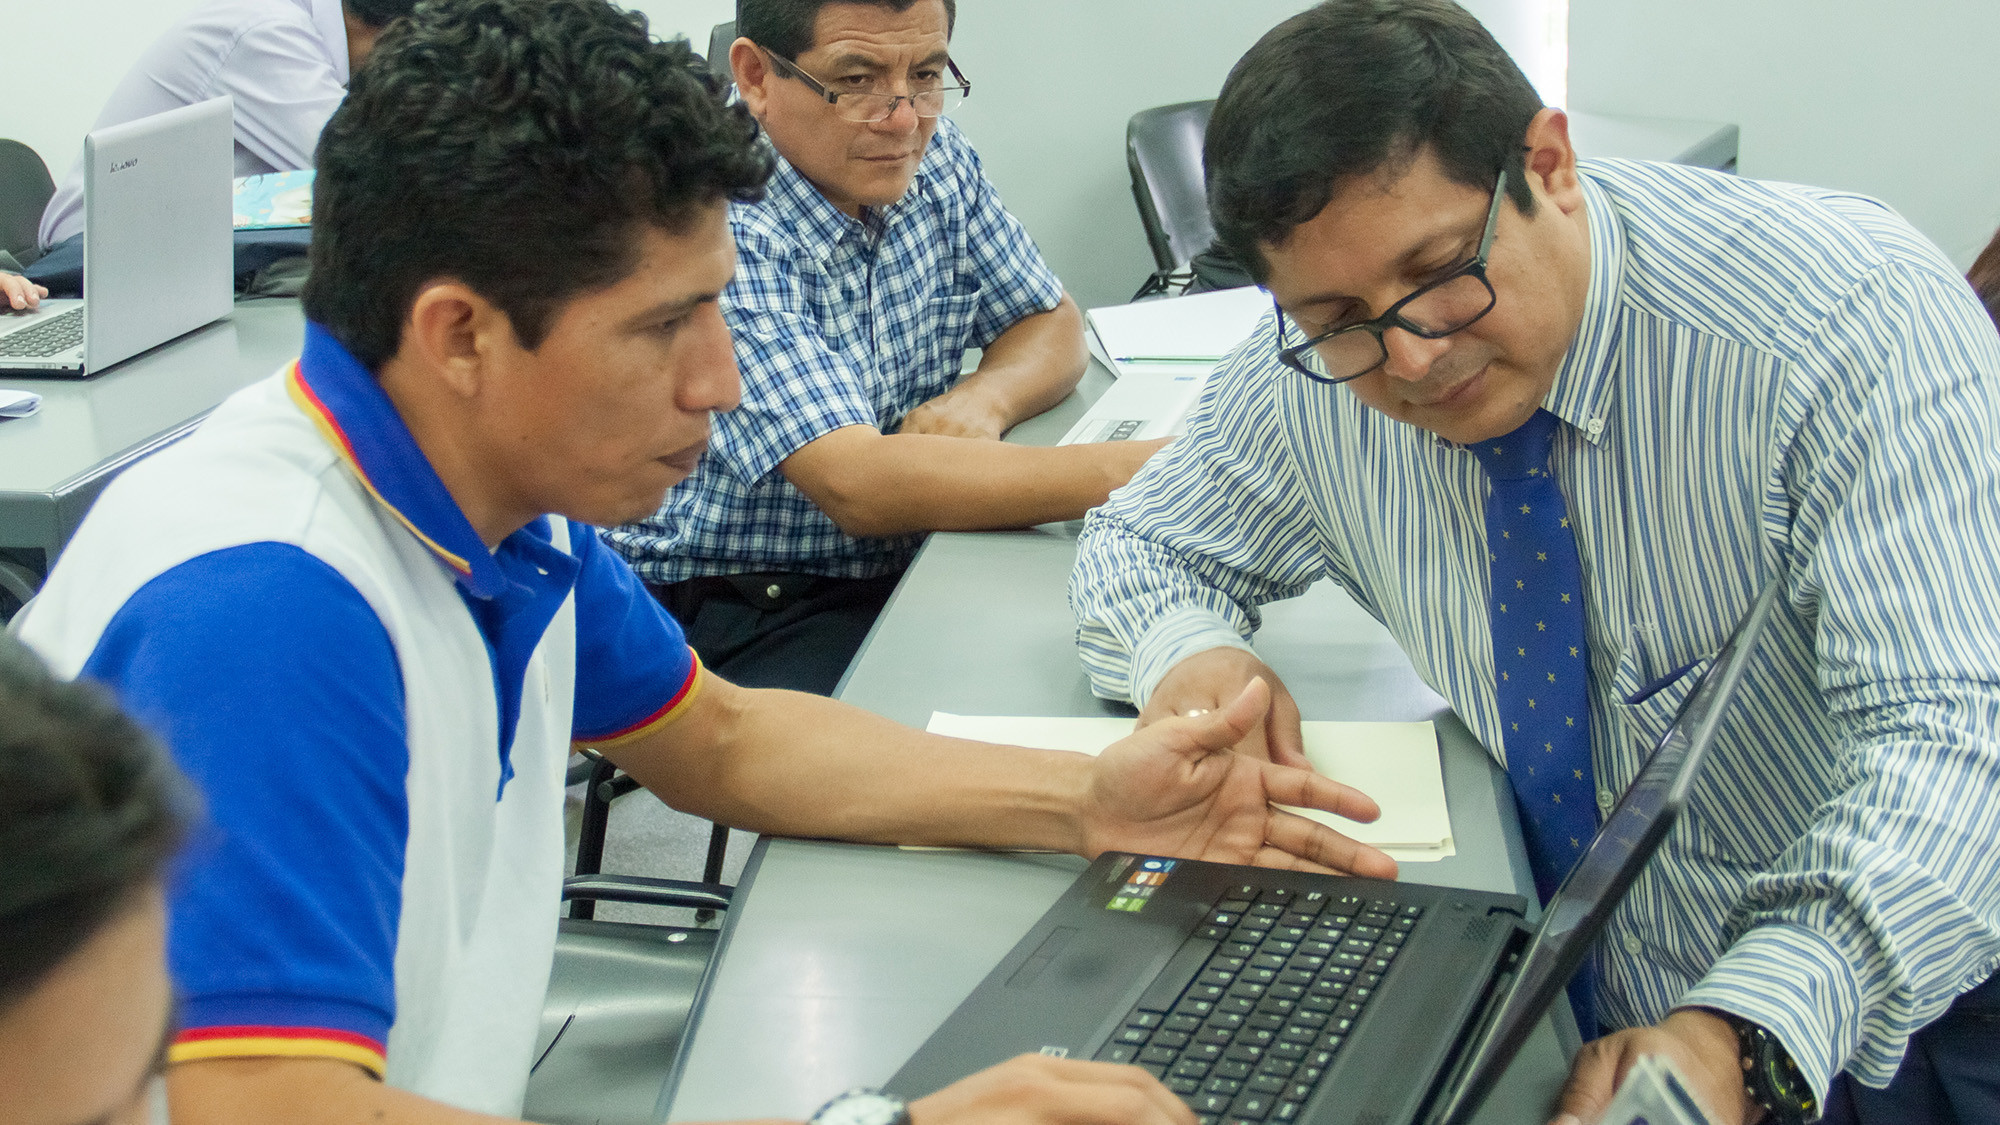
861, 1106
1770, 1077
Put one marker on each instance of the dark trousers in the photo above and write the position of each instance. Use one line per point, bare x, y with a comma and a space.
797, 631
1951, 1075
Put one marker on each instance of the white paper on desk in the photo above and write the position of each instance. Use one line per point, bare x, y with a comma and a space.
1199, 329
1395, 763
18, 404
1146, 402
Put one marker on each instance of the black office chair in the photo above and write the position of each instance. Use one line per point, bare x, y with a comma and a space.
603, 784
719, 38
619, 998
1163, 151
25, 188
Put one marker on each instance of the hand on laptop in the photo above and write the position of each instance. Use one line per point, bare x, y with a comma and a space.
1175, 789
1207, 681
1699, 1043
19, 293
1037, 1090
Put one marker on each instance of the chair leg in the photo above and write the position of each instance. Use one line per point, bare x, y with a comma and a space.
711, 871
590, 834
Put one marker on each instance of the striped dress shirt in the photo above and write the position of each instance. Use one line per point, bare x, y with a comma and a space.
1769, 381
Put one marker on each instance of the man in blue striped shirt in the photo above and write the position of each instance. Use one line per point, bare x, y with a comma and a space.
1749, 382
880, 254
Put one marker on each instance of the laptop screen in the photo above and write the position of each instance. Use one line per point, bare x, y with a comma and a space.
1626, 841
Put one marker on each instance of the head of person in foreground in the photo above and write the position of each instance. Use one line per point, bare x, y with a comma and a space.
519, 225
90, 813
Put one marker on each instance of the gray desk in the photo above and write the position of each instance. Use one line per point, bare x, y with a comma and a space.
53, 465
839, 960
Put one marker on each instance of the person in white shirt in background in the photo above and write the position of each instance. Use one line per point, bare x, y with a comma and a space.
285, 62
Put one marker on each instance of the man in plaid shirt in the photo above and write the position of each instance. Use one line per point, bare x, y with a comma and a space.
880, 254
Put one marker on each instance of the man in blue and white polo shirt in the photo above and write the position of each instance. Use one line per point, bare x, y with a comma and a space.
365, 607
1732, 384
880, 254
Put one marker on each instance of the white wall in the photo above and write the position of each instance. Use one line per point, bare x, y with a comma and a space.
1055, 81
63, 58
1894, 99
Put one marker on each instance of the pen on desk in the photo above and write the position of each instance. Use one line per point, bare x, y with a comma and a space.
1166, 359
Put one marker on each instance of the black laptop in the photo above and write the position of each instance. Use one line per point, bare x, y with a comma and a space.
1277, 997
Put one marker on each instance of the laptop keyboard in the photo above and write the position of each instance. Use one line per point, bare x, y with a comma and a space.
52, 336
1245, 1020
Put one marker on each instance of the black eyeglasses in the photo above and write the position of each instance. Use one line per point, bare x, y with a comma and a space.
929, 98
1450, 304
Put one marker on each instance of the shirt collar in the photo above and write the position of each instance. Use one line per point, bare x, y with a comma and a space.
1581, 394
355, 416
331, 24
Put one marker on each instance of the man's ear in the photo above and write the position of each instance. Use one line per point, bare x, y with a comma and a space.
1551, 160
456, 335
753, 75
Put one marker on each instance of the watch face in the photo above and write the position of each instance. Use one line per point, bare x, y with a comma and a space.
860, 1107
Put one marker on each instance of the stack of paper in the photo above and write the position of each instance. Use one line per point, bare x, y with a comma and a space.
18, 404
1175, 333
1395, 763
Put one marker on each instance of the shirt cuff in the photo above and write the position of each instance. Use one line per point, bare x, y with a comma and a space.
1796, 985
1172, 639
271, 1026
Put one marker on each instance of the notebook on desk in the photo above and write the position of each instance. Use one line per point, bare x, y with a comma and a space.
156, 245
1276, 996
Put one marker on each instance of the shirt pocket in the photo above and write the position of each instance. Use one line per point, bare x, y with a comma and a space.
937, 346
1713, 830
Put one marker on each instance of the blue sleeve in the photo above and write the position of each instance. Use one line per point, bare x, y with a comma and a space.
277, 689
1014, 281
634, 669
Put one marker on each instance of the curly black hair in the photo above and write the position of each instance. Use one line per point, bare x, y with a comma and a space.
90, 813
377, 13
1353, 87
519, 147
787, 26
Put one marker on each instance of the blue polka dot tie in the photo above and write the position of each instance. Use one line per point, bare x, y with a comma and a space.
1540, 662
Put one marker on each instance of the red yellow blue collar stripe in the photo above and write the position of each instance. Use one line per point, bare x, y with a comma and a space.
355, 416
278, 1042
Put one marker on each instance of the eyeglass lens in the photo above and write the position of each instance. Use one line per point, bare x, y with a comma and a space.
869, 108
1437, 312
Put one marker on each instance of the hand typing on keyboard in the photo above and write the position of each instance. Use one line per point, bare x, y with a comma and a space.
18, 293
1036, 1090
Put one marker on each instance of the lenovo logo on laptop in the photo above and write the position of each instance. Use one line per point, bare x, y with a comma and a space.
1056, 1052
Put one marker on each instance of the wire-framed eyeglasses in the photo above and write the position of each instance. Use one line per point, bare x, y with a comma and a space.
929, 97
1450, 304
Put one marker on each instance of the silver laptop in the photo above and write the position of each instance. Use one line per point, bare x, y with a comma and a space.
157, 245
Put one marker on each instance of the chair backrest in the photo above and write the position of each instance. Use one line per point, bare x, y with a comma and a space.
719, 38
1163, 150
25, 188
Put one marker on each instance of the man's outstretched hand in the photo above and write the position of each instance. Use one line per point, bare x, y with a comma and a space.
1175, 788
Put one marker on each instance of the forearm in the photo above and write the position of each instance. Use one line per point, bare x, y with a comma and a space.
802, 765
288, 1091
874, 484
283, 1091
1033, 365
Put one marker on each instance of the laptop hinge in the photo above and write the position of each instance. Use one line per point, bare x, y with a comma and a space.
1498, 983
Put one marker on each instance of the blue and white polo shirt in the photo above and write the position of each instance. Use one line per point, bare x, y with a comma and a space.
379, 712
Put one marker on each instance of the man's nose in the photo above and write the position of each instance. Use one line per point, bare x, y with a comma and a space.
901, 119
716, 384
1409, 355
